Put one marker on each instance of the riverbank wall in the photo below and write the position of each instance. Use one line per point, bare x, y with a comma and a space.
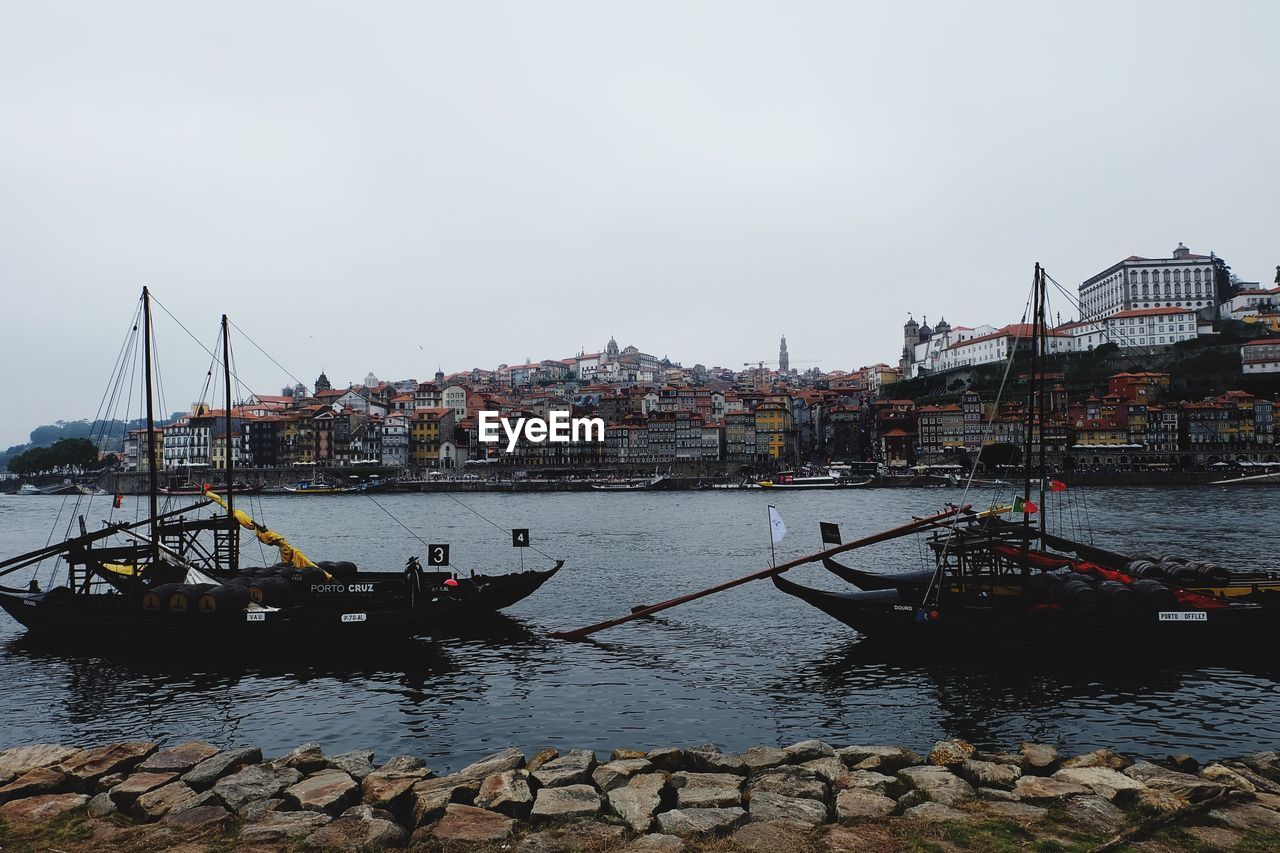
807, 796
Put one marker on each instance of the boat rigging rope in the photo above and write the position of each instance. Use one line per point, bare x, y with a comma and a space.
934, 588
506, 530
406, 527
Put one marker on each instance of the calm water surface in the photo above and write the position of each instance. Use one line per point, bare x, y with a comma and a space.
750, 666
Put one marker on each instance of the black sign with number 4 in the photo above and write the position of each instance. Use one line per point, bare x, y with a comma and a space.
437, 555
520, 537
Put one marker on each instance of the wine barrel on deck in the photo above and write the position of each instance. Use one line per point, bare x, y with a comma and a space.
223, 600
271, 591
184, 598
1153, 595
1115, 597
339, 569
156, 599
1076, 595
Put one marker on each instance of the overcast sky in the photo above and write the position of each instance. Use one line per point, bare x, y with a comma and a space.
390, 187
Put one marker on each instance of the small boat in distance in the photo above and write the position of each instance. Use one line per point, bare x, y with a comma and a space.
628, 485
194, 489
319, 486
787, 480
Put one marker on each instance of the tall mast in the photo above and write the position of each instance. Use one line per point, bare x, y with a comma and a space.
1028, 420
233, 532
153, 486
1042, 327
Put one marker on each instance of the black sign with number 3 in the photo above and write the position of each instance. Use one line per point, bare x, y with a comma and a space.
437, 555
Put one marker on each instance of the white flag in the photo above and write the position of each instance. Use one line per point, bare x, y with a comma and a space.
776, 528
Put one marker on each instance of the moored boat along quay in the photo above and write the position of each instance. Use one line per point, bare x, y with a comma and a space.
806, 797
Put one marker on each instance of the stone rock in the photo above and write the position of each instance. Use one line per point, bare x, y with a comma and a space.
1037, 757
771, 836
827, 769
101, 805
1181, 784
1094, 814
19, 759
357, 764
624, 754
255, 809
474, 825
1099, 758
542, 757
89, 765
204, 798
1018, 811
306, 759
572, 769
1103, 781
890, 786
427, 799
808, 750
791, 781
404, 764
691, 822
1246, 817
1183, 763
327, 791
998, 795
179, 759
1257, 780
200, 817
666, 758
708, 759
1153, 802
566, 802
639, 800
1216, 837
938, 784
364, 811
859, 837
209, 771
572, 838
1265, 764
617, 773
127, 792
507, 793
274, 827
42, 807
659, 843
106, 783
883, 759
156, 803
949, 753
1041, 788
759, 758
862, 803
1224, 775
707, 790
353, 832
509, 759
988, 774
766, 805
390, 789
37, 780
936, 813
255, 782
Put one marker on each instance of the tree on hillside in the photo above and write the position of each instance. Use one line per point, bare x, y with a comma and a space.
64, 455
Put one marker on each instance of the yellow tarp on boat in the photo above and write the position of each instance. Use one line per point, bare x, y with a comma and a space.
289, 555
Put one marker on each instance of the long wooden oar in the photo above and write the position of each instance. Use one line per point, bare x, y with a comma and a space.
905, 530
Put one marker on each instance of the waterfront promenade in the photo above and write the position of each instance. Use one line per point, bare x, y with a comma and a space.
807, 796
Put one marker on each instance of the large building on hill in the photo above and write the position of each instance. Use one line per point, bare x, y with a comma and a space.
1184, 280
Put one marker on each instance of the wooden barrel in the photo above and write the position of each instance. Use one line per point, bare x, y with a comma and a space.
184, 598
1153, 595
271, 591
223, 600
1077, 595
1115, 597
305, 577
340, 569
156, 599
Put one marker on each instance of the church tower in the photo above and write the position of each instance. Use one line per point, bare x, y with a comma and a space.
322, 383
611, 350
784, 361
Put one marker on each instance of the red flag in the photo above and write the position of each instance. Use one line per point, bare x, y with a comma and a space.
1057, 486
1029, 507
119, 500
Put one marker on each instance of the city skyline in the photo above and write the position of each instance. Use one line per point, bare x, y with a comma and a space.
447, 186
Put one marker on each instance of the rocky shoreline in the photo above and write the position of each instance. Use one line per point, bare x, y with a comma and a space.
807, 796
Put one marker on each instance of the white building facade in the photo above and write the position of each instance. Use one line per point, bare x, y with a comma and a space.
1151, 327
1183, 281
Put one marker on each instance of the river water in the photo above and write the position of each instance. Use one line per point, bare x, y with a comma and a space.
749, 666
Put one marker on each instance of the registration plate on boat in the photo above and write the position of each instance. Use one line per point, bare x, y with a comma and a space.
353, 617
1183, 616
258, 616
